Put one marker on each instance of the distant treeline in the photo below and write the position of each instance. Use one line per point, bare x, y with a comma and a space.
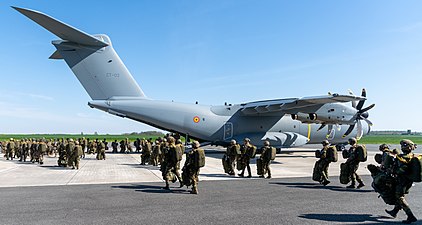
394, 132
131, 136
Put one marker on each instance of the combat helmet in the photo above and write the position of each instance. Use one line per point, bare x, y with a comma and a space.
407, 145
325, 142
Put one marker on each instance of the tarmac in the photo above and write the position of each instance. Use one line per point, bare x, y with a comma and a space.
119, 190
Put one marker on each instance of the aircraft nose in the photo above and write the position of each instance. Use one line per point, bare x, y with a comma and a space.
365, 115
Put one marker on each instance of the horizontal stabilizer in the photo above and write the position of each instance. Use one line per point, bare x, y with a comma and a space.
60, 29
56, 55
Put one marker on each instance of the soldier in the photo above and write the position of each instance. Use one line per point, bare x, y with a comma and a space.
156, 152
248, 152
137, 145
323, 163
76, 155
146, 152
24, 151
84, 145
180, 149
232, 152
404, 183
114, 146
62, 161
42, 149
122, 146
195, 159
268, 154
101, 147
69, 152
10, 149
168, 167
353, 164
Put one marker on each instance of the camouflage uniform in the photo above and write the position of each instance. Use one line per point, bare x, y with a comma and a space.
114, 146
191, 168
168, 167
101, 150
41, 150
323, 163
403, 182
247, 150
353, 163
266, 158
69, 153
10, 149
76, 155
232, 153
156, 152
146, 152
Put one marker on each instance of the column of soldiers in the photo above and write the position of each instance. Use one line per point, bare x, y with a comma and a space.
239, 157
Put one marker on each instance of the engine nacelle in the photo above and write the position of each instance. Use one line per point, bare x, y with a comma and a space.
305, 118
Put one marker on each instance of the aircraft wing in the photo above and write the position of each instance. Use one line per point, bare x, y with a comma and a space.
295, 105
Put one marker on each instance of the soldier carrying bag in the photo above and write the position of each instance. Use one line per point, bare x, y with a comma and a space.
270, 153
251, 152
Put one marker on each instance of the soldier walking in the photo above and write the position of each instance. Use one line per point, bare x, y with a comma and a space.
232, 152
402, 170
195, 159
353, 163
267, 155
248, 152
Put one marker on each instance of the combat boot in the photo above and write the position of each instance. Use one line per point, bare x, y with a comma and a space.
194, 190
393, 212
361, 184
410, 217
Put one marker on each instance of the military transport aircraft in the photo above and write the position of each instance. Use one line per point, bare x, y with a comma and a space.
284, 122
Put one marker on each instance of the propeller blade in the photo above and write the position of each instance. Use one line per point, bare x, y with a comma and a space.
349, 130
353, 102
367, 108
322, 126
369, 123
359, 130
361, 102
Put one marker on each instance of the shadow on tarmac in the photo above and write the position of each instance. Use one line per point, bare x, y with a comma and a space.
319, 186
153, 189
350, 218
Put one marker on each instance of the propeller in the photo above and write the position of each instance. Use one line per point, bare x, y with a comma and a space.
362, 114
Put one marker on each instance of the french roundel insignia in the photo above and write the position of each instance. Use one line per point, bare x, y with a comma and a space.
196, 119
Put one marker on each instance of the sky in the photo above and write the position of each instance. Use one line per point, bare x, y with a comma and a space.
215, 52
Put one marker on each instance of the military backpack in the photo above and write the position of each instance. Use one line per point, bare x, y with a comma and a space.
415, 169
332, 154
344, 173
201, 158
273, 153
362, 154
251, 152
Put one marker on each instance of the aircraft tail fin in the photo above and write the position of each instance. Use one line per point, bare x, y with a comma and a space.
91, 58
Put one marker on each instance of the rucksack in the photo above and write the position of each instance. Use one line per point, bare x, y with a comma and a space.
272, 153
251, 151
415, 169
344, 173
201, 157
179, 152
362, 154
332, 154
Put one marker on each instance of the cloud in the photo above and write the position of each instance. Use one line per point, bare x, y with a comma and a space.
407, 28
42, 97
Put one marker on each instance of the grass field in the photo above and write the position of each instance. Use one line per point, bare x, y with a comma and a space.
390, 139
370, 139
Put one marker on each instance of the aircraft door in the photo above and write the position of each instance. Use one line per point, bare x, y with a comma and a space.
228, 130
